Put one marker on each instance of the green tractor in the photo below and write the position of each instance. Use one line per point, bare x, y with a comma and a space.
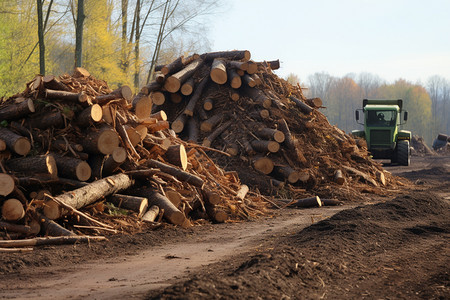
382, 119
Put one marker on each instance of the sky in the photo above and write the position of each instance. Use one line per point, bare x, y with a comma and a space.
408, 39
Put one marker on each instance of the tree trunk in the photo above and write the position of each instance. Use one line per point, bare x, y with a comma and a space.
39, 164
73, 168
134, 203
210, 138
193, 131
79, 33
151, 214
171, 213
305, 108
265, 146
271, 134
218, 71
174, 82
41, 37
308, 202
189, 110
102, 141
176, 155
16, 143
176, 172
90, 115
229, 55
88, 194
17, 110
68, 96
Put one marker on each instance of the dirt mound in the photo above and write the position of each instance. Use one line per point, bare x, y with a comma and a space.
419, 146
343, 257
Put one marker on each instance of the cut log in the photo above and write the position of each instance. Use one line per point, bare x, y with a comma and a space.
273, 64
258, 96
51, 119
158, 98
229, 55
234, 78
16, 143
51, 82
303, 176
263, 164
160, 125
176, 172
73, 168
265, 146
173, 196
232, 149
113, 161
151, 214
288, 139
248, 80
90, 115
103, 141
218, 71
271, 134
277, 183
39, 164
12, 210
238, 65
173, 67
176, 98
122, 92
7, 184
142, 105
330, 202
242, 192
234, 95
134, 203
174, 82
285, 173
171, 213
189, 110
193, 131
152, 86
80, 72
365, 176
108, 114
252, 67
160, 116
307, 202
212, 197
217, 215
188, 87
305, 108
248, 147
339, 177
208, 125
210, 138
68, 96
176, 155
179, 123
381, 178
17, 110
256, 79
10, 227
88, 194
208, 104
314, 102
160, 77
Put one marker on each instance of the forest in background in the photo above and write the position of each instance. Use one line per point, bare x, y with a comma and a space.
123, 40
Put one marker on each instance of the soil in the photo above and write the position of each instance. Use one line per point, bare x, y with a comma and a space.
393, 246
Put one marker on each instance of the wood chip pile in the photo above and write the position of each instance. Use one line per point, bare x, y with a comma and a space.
278, 140
70, 142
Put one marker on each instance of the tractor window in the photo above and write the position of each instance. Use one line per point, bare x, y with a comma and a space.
381, 118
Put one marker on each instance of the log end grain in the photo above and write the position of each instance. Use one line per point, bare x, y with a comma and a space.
83, 171
22, 146
96, 113
278, 136
119, 155
264, 165
126, 92
107, 141
143, 107
157, 98
172, 84
6, 184
12, 210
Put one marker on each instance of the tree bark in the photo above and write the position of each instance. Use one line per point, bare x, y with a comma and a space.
51, 119
68, 96
17, 110
288, 140
39, 164
122, 92
305, 108
248, 80
90, 115
102, 141
314, 102
174, 82
190, 107
171, 213
238, 65
134, 203
193, 131
271, 134
229, 55
16, 143
176, 155
176, 172
307, 202
179, 123
258, 96
208, 125
252, 67
265, 146
210, 138
79, 33
73, 168
53, 83
234, 78
88, 194
151, 214
285, 173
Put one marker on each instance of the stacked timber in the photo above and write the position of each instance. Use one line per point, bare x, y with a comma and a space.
73, 149
276, 138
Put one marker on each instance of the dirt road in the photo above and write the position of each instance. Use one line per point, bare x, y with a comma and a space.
395, 249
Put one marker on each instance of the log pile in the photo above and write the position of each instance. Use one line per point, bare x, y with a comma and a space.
277, 139
72, 149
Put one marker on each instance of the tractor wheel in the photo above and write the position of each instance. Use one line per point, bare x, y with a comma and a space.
403, 156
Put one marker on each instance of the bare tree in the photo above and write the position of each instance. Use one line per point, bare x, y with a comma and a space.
368, 83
